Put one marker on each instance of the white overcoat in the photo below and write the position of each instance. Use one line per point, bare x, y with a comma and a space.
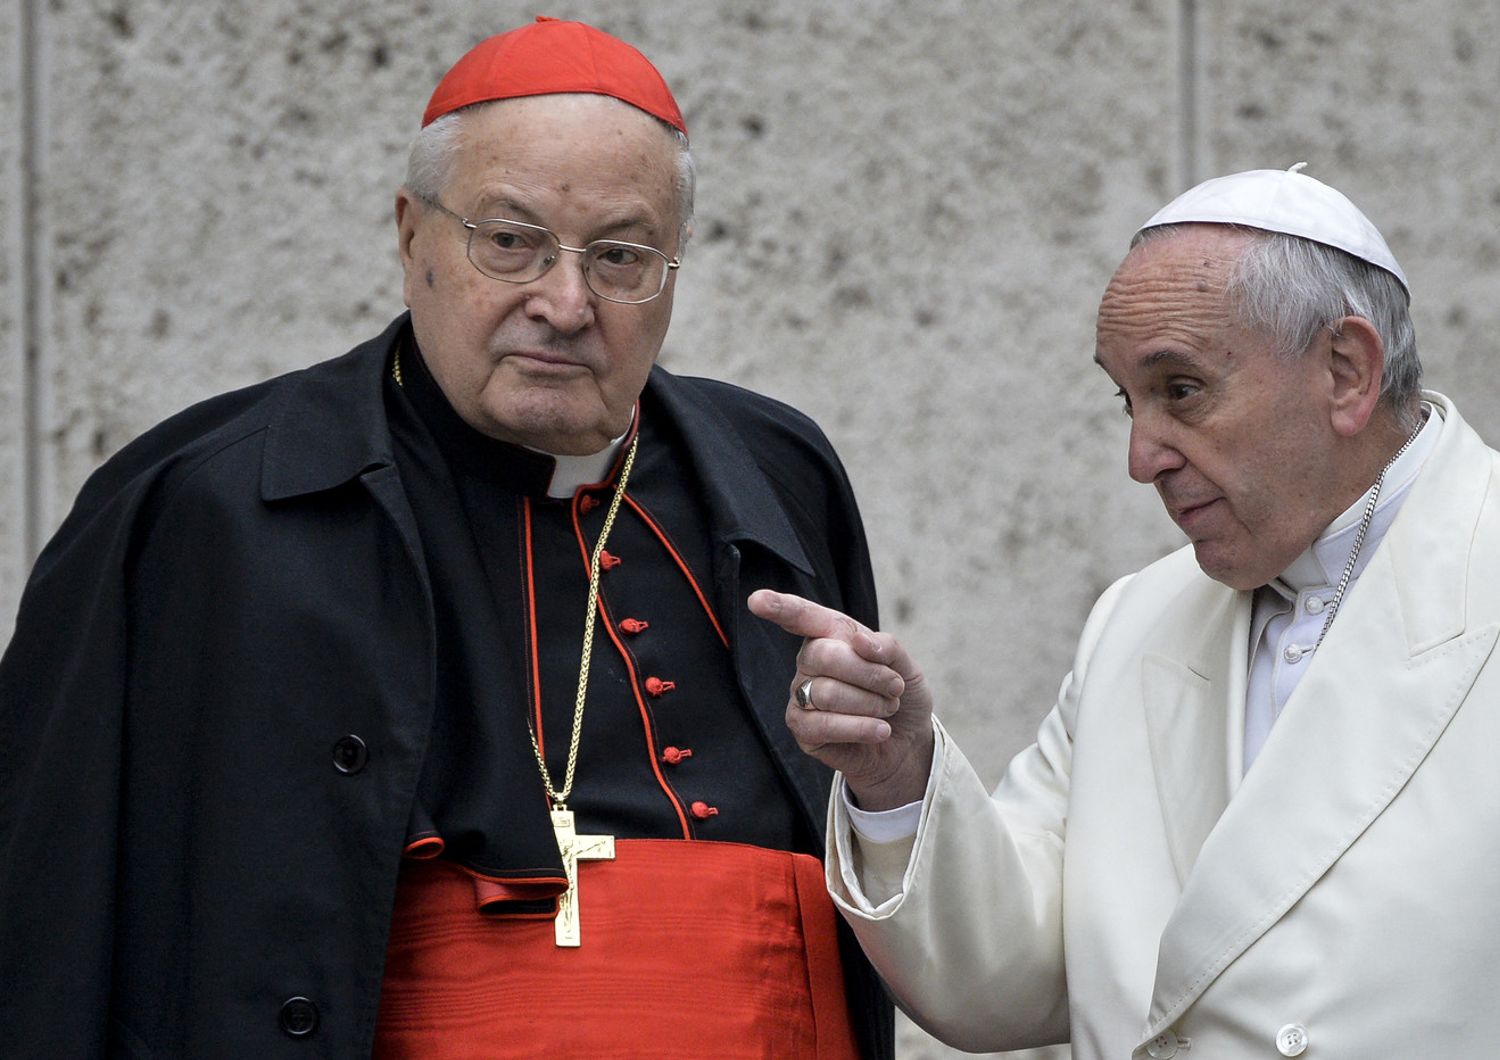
1124, 887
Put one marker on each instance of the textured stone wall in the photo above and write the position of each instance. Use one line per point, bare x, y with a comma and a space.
15, 446
906, 214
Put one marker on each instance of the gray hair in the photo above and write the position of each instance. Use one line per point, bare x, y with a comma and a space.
1290, 288
434, 152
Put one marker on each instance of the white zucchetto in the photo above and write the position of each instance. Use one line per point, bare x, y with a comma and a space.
1283, 201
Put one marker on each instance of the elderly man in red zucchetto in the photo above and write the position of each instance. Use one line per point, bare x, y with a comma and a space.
408, 704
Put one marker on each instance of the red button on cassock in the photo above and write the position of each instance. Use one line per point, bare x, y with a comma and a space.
656, 686
673, 755
703, 810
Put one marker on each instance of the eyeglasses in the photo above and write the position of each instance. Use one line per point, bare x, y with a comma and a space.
517, 252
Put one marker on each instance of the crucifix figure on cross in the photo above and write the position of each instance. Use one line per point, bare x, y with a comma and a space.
575, 848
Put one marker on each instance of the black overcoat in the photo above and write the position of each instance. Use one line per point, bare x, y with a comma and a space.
232, 594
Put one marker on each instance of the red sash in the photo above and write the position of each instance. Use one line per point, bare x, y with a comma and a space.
690, 949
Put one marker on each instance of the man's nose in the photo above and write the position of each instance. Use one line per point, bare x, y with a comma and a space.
1151, 451
561, 295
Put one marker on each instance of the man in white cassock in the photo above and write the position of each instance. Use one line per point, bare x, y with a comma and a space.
1261, 819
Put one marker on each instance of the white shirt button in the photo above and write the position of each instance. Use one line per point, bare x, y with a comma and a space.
1161, 1047
1291, 1040
1315, 605
1293, 654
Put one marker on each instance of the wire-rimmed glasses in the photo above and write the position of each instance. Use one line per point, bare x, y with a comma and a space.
517, 252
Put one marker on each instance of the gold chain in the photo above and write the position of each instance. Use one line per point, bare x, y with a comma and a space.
560, 797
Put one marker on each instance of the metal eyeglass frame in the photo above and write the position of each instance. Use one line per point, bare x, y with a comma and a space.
473, 227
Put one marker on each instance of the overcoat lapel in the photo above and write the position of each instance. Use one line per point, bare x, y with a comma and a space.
1395, 667
1188, 689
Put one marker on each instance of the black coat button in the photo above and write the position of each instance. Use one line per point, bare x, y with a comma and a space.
350, 754
299, 1017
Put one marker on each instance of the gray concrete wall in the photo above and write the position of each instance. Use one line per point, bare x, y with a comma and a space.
906, 214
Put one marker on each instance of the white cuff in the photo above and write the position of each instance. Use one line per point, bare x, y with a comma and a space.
871, 850
883, 826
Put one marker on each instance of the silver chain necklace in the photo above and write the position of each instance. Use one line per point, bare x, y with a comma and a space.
1359, 537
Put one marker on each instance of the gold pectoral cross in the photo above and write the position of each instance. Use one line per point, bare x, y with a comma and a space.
575, 848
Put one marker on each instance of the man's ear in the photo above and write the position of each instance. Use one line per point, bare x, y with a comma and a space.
1356, 362
406, 230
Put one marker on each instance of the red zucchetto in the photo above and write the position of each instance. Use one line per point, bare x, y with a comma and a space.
551, 56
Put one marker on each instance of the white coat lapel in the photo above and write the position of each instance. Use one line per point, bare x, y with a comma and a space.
1188, 688
1395, 667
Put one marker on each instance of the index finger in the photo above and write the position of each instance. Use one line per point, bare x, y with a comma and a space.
803, 617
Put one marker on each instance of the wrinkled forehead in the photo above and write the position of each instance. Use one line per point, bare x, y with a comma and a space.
1171, 289
1192, 263
570, 142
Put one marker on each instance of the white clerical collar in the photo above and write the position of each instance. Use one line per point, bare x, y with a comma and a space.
569, 473
1323, 562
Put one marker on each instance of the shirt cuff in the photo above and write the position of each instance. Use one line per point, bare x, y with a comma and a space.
883, 826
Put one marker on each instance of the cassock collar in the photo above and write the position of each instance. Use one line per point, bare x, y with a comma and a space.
1322, 563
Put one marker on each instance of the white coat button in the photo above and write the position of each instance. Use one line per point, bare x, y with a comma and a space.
1291, 1040
1162, 1046
1292, 654
1314, 605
